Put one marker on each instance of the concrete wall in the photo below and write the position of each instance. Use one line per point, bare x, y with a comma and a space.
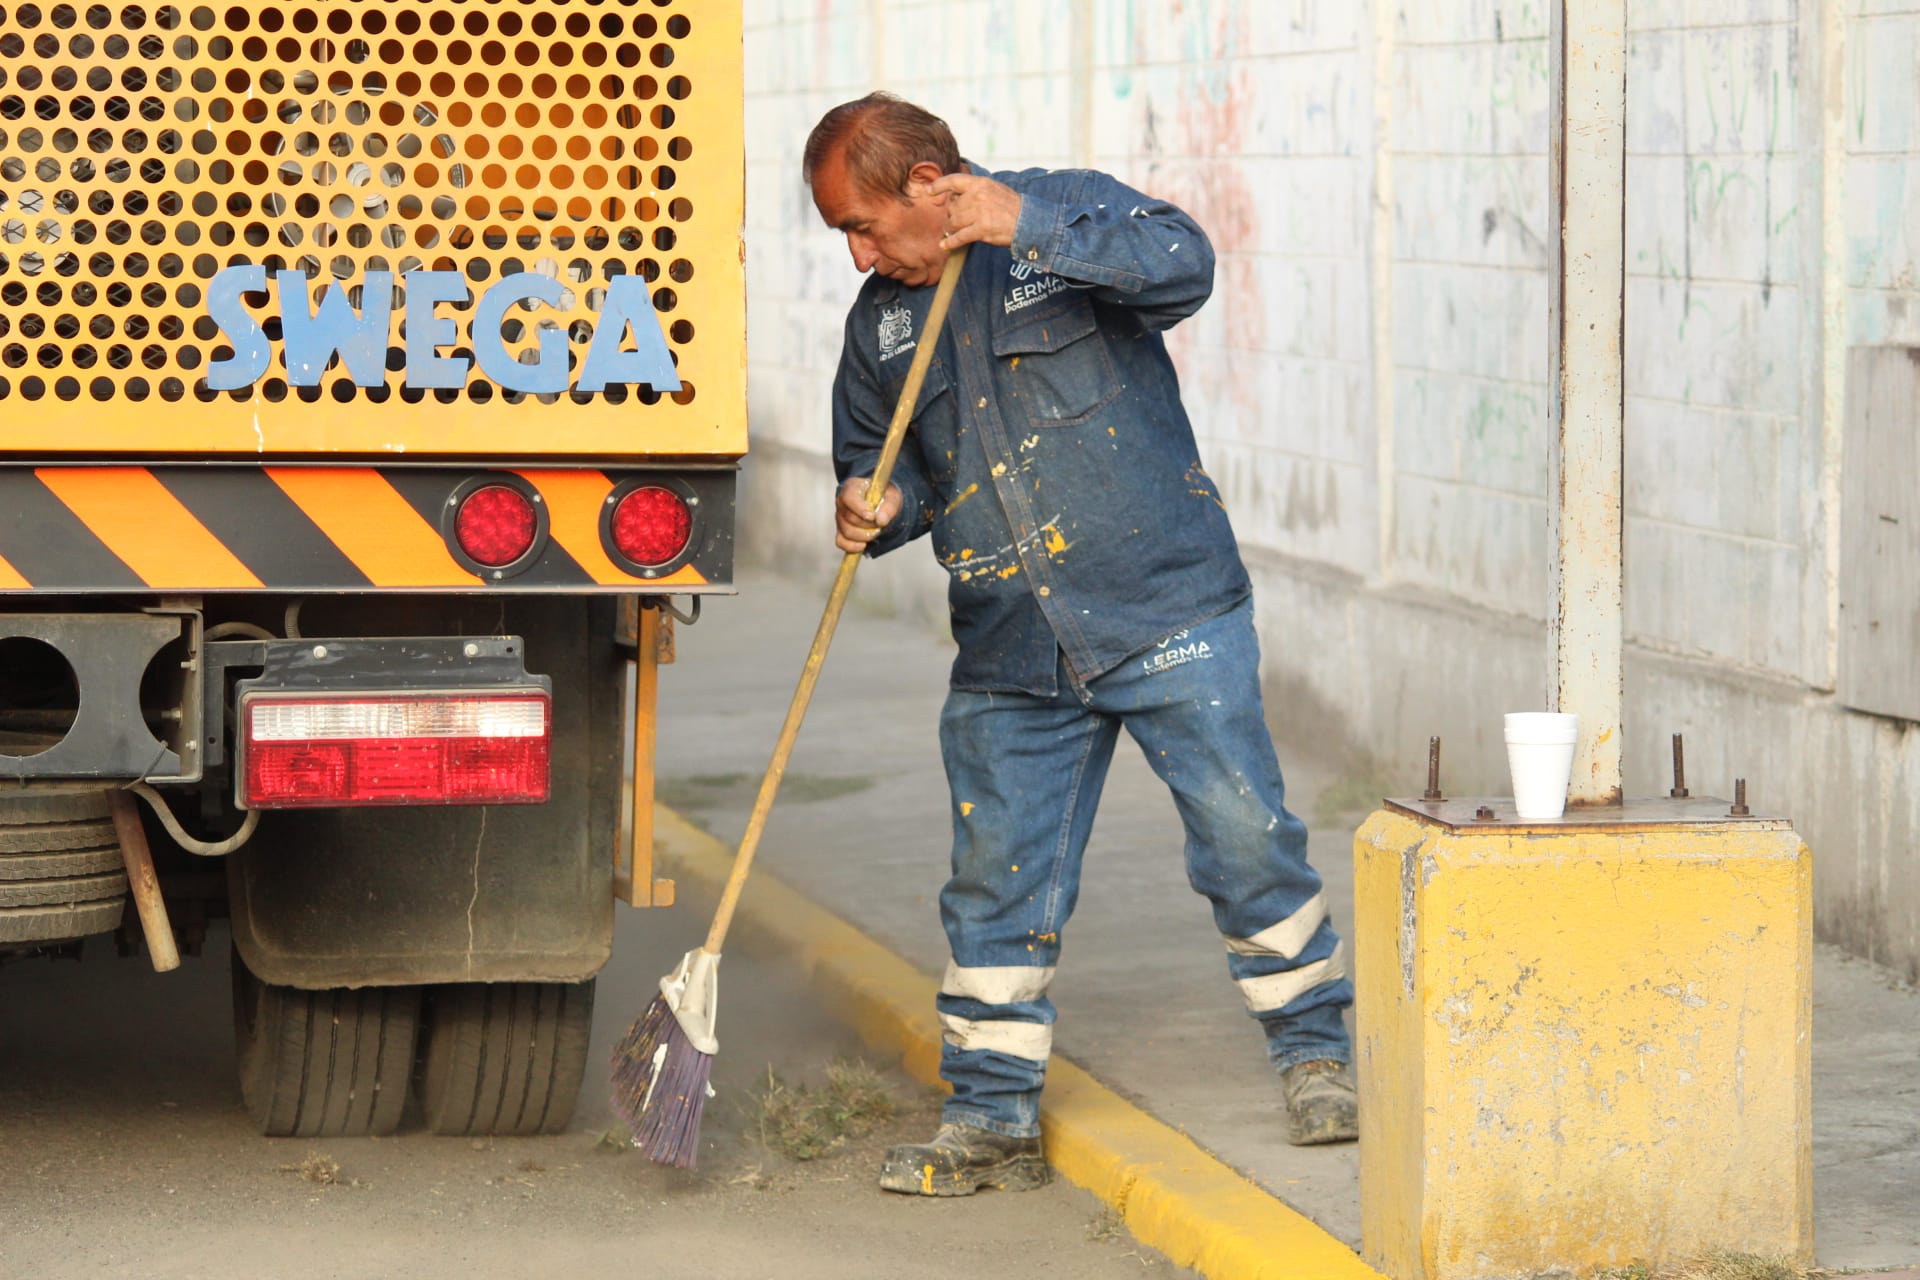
1369, 381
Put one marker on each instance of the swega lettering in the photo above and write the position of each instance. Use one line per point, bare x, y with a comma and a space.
313, 338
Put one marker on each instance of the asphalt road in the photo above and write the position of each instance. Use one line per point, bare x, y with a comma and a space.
125, 1152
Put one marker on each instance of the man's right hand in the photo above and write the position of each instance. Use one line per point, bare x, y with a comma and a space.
858, 523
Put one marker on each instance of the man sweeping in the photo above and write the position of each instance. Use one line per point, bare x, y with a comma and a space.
1095, 586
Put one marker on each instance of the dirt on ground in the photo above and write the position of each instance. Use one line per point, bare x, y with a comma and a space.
125, 1152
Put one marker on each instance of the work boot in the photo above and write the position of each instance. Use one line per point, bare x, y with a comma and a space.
1322, 1105
961, 1159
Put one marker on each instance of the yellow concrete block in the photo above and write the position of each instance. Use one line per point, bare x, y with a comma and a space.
1581, 1047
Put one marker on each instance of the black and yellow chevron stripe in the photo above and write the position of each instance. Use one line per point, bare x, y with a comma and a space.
294, 528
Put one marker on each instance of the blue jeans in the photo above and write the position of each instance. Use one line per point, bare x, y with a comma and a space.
1026, 774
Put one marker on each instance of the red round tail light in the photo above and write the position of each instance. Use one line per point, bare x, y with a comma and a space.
496, 525
651, 525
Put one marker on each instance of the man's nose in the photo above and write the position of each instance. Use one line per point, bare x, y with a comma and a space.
864, 254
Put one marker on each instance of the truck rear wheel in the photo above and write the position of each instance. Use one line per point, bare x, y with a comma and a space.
323, 1064
504, 1058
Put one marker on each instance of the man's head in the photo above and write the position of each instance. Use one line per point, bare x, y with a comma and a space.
870, 164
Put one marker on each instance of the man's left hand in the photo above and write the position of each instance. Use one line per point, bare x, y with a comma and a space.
977, 209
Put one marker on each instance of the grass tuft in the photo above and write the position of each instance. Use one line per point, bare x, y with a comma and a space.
805, 1124
318, 1168
1721, 1264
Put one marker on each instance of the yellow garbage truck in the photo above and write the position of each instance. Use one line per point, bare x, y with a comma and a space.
372, 395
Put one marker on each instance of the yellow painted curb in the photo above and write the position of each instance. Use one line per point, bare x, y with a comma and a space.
1171, 1194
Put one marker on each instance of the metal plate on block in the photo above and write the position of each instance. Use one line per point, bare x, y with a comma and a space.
1465, 813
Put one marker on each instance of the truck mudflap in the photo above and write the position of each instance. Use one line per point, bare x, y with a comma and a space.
398, 895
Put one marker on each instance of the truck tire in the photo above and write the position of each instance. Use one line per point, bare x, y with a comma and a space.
61, 923
323, 1064
64, 891
504, 1058
59, 864
43, 837
60, 868
43, 802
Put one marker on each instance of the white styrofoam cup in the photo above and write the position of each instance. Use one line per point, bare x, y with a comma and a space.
1540, 757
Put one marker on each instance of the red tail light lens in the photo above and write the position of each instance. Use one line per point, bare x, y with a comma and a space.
309, 752
651, 525
496, 525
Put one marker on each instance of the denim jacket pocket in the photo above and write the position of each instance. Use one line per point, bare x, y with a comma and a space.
935, 423
1058, 364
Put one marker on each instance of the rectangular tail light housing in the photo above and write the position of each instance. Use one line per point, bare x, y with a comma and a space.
301, 750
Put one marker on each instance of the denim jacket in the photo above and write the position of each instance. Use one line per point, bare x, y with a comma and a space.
1049, 455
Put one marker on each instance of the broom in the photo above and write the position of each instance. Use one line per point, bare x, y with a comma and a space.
661, 1067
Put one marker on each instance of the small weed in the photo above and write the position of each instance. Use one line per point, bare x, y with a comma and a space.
321, 1169
1721, 1264
1725, 1265
804, 1124
858, 1093
1107, 1227
614, 1141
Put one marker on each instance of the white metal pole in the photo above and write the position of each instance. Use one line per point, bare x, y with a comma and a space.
1587, 201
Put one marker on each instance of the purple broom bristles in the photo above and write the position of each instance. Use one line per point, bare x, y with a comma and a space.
659, 1087
633, 1061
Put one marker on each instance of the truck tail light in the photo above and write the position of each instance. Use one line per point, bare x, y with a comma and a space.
496, 525
305, 751
651, 525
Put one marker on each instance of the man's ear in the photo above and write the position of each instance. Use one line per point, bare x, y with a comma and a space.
921, 177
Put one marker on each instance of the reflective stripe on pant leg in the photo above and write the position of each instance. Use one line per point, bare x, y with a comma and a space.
995, 1059
1300, 964
1030, 1040
1289, 937
1273, 991
997, 985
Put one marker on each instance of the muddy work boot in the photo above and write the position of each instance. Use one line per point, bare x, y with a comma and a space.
1322, 1105
960, 1160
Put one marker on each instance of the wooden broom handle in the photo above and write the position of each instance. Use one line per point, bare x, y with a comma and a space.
836, 602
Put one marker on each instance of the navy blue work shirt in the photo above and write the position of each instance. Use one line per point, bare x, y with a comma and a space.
1049, 455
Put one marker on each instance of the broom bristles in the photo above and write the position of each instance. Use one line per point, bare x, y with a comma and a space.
659, 1087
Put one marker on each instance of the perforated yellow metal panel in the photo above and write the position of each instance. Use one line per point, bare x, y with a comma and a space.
145, 149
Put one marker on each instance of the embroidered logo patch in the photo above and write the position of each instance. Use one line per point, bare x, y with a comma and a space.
1030, 292
896, 331
1174, 653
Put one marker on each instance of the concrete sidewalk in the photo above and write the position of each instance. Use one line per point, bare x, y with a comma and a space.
1145, 1004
